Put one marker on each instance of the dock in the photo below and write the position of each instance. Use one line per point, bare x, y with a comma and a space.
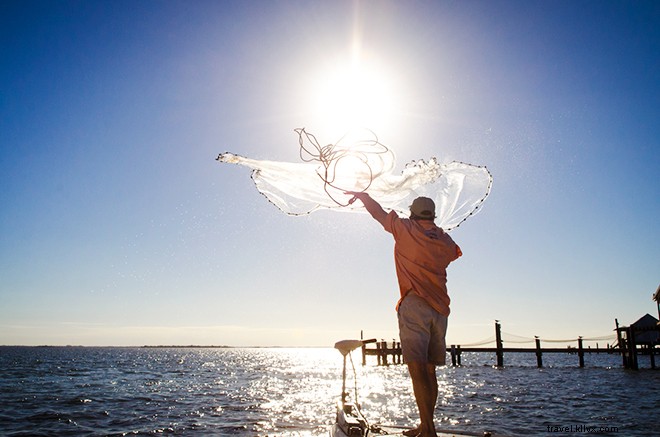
387, 353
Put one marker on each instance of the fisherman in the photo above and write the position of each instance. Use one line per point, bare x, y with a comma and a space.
422, 252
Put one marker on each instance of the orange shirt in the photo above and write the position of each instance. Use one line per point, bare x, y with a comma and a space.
422, 252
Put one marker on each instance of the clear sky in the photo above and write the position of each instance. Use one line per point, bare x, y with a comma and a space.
118, 227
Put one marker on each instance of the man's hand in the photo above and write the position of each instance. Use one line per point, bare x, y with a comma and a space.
356, 195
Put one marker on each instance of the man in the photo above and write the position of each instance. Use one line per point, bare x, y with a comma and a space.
422, 252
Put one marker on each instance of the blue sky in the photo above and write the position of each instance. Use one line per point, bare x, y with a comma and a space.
118, 227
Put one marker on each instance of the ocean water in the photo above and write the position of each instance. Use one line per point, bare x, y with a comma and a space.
73, 391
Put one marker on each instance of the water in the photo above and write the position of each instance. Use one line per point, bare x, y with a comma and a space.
61, 391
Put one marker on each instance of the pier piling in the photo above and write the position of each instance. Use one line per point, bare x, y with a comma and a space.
580, 352
498, 342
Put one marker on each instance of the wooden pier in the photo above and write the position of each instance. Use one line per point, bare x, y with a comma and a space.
385, 353
640, 337
500, 350
390, 352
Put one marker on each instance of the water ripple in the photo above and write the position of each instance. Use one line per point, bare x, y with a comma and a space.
136, 391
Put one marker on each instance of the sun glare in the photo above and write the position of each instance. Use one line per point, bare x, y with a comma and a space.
353, 95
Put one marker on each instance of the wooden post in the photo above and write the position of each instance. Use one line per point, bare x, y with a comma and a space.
632, 349
364, 349
652, 352
453, 355
458, 354
539, 354
394, 355
498, 340
621, 343
580, 352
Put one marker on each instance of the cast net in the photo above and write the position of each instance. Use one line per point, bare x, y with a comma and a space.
359, 162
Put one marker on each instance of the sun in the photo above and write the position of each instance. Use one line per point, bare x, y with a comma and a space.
353, 94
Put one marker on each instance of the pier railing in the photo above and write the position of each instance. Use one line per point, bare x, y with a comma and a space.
390, 352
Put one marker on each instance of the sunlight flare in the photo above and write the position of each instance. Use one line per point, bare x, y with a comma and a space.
354, 94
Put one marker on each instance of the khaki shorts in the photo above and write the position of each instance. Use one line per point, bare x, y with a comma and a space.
422, 331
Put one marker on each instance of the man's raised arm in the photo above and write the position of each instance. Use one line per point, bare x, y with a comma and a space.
373, 207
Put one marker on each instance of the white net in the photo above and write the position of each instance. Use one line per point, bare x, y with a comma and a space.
359, 162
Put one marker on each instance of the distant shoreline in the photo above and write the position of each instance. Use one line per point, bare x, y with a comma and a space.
192, 346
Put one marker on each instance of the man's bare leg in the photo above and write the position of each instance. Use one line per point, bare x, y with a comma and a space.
425, 387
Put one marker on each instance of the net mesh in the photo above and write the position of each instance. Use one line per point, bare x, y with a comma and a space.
359, 162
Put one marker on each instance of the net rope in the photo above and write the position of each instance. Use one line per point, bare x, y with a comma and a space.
331, 156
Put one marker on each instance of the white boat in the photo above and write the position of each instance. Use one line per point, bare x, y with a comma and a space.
350, 422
